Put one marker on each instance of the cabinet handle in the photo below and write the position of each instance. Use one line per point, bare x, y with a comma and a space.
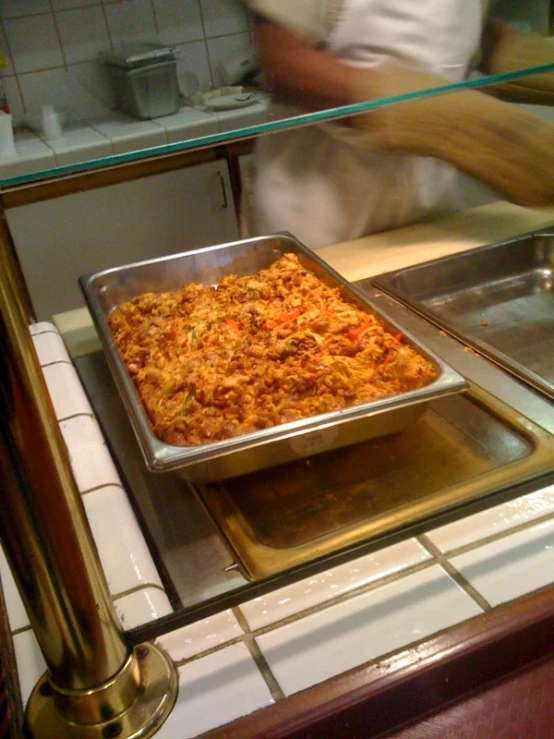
225, 202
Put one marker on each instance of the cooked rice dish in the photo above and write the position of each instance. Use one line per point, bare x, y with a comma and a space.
214, 363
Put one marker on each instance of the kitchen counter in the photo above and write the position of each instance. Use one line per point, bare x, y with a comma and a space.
116, 134
350, 623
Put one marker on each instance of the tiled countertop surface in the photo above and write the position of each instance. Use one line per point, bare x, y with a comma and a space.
269, 648
120, 134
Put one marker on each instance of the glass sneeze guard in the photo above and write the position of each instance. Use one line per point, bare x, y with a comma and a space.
267, 127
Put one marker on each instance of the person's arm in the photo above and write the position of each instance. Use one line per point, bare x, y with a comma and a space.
505, 50
510, 150
296, 72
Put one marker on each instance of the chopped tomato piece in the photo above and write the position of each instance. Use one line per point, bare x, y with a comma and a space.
284, 318
233, 325
356, 333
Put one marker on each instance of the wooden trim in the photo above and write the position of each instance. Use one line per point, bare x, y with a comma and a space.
383, 696
517, 707
7, 243
69, 184
234, 152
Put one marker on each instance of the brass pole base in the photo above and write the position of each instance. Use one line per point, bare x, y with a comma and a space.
133, 705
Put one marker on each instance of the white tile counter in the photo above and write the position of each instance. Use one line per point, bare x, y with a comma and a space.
120, 134
264, 650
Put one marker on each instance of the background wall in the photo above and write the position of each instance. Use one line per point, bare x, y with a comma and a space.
51, 45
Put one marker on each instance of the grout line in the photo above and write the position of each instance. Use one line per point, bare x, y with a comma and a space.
343, 597
254, 634
102, 486
251, 644
491, 538
52, 330
236, 641
137, 589
106, 21
76, 415
22, 630
265, 671
57, 361
242, 620
454, 573
58, 34
155, 16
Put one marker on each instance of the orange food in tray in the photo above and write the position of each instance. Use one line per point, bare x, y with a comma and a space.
214, 363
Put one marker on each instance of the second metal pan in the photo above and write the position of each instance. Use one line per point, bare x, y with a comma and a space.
499, 299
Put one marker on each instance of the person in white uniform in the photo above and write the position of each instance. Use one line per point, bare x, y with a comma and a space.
332, 182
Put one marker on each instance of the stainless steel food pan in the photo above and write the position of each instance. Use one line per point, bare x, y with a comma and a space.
105, 290
499, 299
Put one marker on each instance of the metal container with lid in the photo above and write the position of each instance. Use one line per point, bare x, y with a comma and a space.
144, 79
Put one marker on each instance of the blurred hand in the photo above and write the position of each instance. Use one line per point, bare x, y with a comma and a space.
512, 151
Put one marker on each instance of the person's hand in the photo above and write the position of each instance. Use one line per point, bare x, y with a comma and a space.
510, 150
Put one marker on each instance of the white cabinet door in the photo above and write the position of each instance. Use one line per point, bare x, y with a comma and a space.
59, 240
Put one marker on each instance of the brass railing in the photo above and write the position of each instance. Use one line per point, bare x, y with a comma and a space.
95, 685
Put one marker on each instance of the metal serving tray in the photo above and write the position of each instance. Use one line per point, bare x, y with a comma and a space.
499, 299
105, 290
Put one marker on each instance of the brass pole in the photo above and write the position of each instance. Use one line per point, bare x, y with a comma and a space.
93, 678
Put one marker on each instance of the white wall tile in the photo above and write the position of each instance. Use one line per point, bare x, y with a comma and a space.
69, 4
30, 662
178, 21
16, 8
66, 391
201, 636
83, 33
58, 87
223, 16
90, 459
346, 635
494, 521
131, 20
193, 58
91, 91
512, 566
227, 47
300, 596
34, 43
213, 691
142, 607
123, 552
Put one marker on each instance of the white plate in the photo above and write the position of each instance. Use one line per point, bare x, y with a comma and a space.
230, 102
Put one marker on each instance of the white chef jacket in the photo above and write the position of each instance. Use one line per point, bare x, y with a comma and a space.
325, 189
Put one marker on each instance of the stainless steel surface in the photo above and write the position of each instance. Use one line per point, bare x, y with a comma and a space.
193, 557
210, 462
464, 448
499, 299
